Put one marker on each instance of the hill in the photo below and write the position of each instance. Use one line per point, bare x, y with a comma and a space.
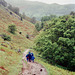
24, 26
11, 51
38, 9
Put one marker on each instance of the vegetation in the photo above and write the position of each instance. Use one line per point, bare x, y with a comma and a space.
39, 26
12, 28
47, 18
56, 43
33, 20
10, 59
51, 69
27, 36
32, 9
6, 37
3, 3
14, 9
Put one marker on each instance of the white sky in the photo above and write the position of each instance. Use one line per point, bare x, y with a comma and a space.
46, 1
56, 1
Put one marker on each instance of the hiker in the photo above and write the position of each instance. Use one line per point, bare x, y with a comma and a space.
32, 57
28, 56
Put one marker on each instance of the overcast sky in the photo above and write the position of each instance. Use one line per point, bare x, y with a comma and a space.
57, 1
47, 1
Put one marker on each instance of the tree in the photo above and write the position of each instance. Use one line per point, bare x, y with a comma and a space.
56, 43
33, 20
14, 9
23, 15
47, 18
37, 26
72, 13
12, 28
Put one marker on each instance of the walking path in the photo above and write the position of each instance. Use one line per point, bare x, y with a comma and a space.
31, 68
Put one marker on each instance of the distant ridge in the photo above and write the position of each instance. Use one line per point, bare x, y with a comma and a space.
39, 9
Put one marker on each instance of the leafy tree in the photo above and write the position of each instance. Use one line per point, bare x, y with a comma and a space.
56, 43
12, 28
47, 18
37, 26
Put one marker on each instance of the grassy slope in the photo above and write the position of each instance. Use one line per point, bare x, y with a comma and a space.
10, 59
22, 26
52, 70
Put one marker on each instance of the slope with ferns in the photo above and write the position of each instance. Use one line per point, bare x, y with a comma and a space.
10, 58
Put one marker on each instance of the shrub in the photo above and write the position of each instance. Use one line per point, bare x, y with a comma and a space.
6, 37
12, 28
27, 36
57, 44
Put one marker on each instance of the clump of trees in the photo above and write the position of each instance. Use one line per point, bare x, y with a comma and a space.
6, 37
57, 43
33, 20
14, 9
72, 13
47, 18
3, 3
12, 28
39, 26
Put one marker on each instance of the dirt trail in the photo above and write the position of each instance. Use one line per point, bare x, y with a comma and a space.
31, 68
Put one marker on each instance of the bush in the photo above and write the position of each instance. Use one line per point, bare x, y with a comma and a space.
12, 28
56, 43
27, 36
6, 37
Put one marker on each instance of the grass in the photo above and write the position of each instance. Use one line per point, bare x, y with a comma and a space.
10, 61
51, 69
22, 26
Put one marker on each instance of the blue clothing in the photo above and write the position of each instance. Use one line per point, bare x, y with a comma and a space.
33, 58
28, 56
32, 54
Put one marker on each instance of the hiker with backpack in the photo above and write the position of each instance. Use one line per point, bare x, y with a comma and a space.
30, 57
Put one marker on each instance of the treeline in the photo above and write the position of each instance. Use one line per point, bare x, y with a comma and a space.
17, 11
12, 8
41, 24
3, 3
56, 43
47, 18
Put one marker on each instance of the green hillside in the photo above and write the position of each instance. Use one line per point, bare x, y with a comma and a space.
52, 45
10, 58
